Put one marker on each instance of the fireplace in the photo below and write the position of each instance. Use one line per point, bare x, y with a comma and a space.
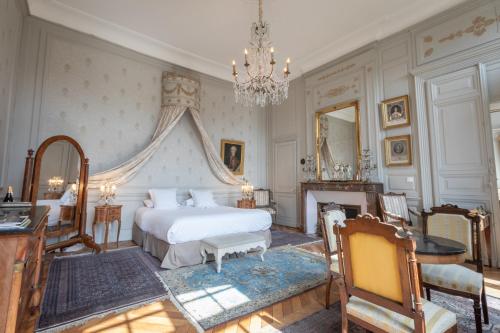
351, 212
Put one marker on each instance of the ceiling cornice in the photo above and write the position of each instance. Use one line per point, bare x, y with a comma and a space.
56, 12
59, 13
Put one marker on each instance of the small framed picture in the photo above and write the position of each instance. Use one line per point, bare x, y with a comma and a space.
395, 112
398, 150
233, 154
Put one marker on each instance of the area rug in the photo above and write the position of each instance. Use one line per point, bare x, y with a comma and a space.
326, 321
244, 284
283, 237
83, 287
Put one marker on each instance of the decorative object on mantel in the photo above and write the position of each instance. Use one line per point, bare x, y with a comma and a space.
180, 94
398, 151
232, 153
261, 87
395, 112
309, 167
108, 193
367, 166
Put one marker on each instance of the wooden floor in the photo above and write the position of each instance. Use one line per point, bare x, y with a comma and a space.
164, 317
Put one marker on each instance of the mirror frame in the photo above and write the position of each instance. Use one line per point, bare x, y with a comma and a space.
32, 172
357, 118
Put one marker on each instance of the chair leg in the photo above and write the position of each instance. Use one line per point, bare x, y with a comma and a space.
477, 315
328, 290
484, 305
428, 294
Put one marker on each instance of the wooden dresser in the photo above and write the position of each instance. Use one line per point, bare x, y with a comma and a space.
20, 269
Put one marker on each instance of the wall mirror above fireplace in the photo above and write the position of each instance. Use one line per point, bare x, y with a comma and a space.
338, 144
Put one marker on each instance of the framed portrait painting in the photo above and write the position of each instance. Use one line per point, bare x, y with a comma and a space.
398, 150
233, 154
395, 112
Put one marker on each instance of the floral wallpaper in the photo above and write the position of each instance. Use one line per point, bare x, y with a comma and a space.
10, 33
110, 103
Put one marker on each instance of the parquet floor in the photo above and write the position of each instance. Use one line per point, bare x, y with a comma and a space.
164, 316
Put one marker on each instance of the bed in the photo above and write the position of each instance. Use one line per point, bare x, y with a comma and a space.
173, 235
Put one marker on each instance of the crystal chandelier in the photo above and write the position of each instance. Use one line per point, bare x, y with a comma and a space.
260, 86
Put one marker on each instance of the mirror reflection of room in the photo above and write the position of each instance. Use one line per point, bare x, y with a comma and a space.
59, 173
338, 143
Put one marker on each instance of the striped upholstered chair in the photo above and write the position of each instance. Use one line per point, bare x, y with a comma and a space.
395, 209
264, 200
459, 224
332, 216
378, 282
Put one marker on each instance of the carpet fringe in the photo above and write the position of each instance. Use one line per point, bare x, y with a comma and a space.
82, 321
179, 307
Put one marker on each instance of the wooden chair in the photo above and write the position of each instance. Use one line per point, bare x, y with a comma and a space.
378, 282
459, 224
395, 209
264, 200
331, 216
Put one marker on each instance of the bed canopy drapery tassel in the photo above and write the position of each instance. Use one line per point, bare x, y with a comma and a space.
179, 95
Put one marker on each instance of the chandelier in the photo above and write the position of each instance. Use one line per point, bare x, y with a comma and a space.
261, 86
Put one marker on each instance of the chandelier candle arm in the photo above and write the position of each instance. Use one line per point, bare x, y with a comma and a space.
260, 86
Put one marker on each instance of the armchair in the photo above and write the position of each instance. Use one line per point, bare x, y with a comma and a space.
395, 209
264, 200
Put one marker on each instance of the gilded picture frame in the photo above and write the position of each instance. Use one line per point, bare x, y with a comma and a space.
395, 112
398, 151
232, 153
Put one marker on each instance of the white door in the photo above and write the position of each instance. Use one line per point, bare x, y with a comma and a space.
463, 170
285, 182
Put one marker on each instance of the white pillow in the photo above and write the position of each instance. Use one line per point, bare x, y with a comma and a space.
149, 203
189, 202
203, 198
164, 198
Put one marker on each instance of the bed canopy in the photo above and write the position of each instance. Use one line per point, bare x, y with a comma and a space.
180, 94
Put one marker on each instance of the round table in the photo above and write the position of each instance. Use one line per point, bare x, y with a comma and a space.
438, 250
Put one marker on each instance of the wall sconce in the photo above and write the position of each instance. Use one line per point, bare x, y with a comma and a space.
108, 193
247, 190
55, 184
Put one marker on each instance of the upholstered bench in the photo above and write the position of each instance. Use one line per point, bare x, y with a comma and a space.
233, 243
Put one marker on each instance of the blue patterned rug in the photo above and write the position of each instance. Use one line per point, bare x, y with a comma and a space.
243, 286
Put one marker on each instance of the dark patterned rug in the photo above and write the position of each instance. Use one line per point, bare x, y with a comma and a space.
329, 320
280, 238
87, 286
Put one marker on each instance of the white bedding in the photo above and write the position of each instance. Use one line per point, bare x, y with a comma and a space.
55, 210
187, 224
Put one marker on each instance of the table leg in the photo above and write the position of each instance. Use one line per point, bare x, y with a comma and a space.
106, 232
203, 255
420, 281
218, 260
487, 238
118, 233
262, 251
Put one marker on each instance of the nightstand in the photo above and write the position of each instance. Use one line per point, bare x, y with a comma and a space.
246, 203
52, 195
107, 214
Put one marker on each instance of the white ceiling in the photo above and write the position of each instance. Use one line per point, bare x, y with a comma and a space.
205, 35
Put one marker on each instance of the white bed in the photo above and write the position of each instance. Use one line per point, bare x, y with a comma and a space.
173, 235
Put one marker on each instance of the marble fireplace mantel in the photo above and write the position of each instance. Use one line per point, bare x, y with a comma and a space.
358, 193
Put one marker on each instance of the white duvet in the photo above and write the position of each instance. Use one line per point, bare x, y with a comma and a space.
187, 224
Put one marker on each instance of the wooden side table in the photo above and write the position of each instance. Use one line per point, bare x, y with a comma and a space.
107, 214
52, 195
246, 203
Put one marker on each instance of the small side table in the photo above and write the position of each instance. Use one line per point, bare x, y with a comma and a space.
52, 195
107, 214
246, 203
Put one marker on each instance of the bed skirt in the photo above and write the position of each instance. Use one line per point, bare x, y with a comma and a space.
177, 255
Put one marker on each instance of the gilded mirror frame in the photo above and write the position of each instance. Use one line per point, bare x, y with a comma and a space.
334, 108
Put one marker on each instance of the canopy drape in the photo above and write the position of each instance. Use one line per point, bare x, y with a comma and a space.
179, 95
324, 147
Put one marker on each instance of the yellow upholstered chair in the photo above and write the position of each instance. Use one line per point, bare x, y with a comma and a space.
332, 216
378, 281
459, 224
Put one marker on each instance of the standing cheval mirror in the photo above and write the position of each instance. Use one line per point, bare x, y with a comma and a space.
58, 177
